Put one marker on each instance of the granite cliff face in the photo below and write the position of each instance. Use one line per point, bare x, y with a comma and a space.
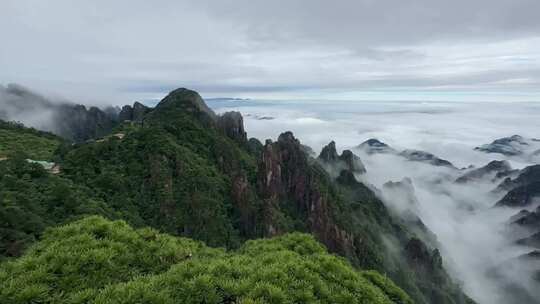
232, 124
133, 113
77, 123
285, 176
335, 163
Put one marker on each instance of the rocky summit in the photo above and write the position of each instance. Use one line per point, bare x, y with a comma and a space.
426, 157
512, 145
335, 163
373, 146
493, 170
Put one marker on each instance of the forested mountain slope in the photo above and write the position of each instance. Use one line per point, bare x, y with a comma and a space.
186, 171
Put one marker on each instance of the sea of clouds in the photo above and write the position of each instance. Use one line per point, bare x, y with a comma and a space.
473, 235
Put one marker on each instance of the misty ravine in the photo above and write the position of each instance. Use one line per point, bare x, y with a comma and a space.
474, 237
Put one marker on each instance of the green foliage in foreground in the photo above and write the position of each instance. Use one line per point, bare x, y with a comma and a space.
98, 261
15, 138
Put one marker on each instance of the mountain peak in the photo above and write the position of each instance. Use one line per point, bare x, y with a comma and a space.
187, 98
180, 102
329, 152
334, 163
287, 136
232, 125
373, 145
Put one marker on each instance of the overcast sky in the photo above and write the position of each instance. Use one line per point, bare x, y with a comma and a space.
119, 51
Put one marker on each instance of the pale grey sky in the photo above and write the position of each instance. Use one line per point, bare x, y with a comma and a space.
119, 51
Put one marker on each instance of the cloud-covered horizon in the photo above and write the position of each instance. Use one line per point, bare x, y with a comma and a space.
116, 52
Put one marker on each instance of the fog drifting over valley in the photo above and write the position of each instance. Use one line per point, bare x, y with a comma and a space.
473, 236
432, 75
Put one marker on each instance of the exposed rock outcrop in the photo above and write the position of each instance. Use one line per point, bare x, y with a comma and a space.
528, 219
335, 163
509, 146
426, 157
78, 123
425, 262
521, 196
133, 113
373, 146
232, 124
530, 241
286, 176
526, 176
493, 170
71, 121
126, 113
522, 191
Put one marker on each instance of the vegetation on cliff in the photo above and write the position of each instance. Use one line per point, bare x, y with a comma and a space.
31, 200
16, 139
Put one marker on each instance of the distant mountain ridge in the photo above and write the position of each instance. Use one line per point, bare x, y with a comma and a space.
74, 122
375, 146
514, 146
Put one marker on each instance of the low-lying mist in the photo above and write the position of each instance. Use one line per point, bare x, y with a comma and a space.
472, 235
19, 104
69, 120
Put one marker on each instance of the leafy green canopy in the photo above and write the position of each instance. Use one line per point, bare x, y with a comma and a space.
98, 261
15, 138
173, 172
32, 199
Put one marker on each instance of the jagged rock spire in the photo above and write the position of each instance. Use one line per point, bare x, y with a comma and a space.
232, 124
334, 163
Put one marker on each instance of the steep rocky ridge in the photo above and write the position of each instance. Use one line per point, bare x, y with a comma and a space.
72, 121
133, 113
493, 170
426, 157
375, 146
